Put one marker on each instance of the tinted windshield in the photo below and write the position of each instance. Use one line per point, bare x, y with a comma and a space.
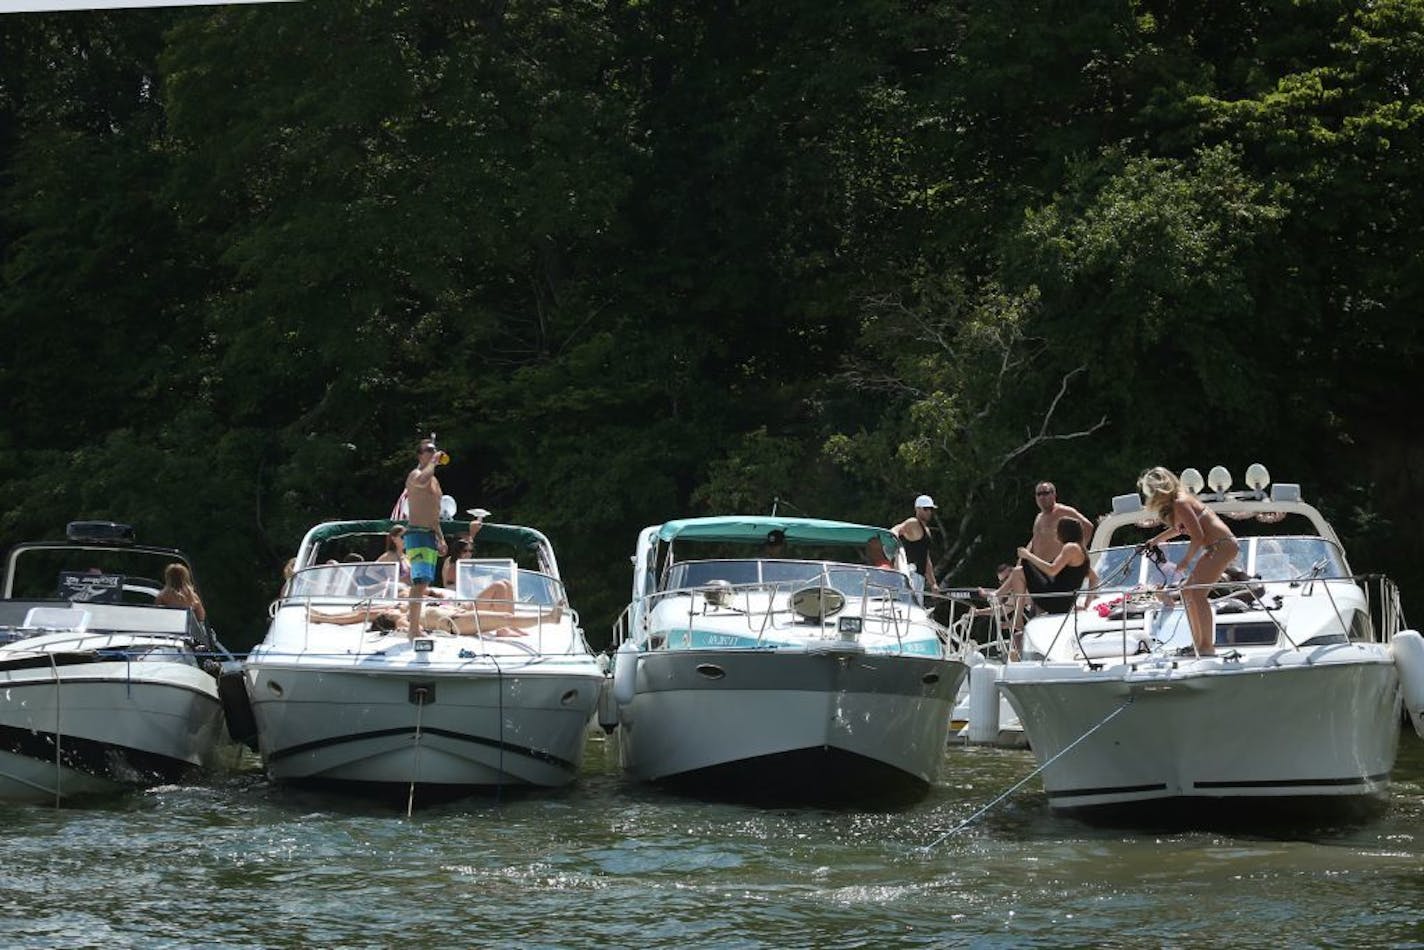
101, 575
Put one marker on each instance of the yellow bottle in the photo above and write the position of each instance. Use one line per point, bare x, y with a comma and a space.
443, 458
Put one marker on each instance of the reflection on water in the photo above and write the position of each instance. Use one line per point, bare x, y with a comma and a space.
239, 862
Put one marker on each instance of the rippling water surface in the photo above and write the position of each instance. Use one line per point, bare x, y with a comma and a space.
238, 862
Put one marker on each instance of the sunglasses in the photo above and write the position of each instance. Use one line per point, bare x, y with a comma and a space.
1046, 491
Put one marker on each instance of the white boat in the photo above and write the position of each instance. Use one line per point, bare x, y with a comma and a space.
506, 704
813, 675
100, 688
1300, 705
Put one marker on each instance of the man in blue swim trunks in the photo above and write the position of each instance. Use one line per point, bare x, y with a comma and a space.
424, 541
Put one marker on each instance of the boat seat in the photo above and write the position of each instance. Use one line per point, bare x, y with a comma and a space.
58, 618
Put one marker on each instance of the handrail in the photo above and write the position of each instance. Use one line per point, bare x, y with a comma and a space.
896, 623
1385, 611
478, 621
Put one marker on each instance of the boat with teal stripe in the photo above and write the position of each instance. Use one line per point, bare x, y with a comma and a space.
770, 653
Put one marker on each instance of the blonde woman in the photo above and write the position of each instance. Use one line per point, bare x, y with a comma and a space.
1184, 513
178, 591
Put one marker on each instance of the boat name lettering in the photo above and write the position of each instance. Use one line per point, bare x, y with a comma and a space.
90, 587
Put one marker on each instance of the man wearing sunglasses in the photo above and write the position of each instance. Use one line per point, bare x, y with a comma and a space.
1045, 543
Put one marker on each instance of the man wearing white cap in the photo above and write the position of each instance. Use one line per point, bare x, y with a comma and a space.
914, 534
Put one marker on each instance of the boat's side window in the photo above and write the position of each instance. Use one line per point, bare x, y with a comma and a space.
1246, 634
1361, 628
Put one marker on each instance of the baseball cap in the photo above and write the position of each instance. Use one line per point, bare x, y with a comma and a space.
925, 501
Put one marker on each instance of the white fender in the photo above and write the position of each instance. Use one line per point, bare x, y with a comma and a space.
625, 673
984, 703
1408, 649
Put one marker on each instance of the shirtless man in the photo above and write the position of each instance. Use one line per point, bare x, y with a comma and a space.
1045, 542
424, 541
915, 536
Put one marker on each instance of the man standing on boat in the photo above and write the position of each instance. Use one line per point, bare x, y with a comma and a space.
1045, 542
914, 534
424, 541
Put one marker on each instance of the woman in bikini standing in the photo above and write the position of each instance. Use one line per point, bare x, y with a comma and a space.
1184, 513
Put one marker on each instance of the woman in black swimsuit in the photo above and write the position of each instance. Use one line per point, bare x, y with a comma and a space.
1064, 573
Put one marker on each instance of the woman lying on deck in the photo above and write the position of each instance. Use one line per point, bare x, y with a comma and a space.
491, 614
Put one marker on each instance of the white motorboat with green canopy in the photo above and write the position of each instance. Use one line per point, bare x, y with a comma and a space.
494, 691
101, 687
805, 671
1301, 702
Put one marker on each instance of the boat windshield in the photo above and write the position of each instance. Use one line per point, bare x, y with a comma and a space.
473, 576
79, 573
372, 579
380, 580
851, 580
541, 589
1276, 558
1287, 558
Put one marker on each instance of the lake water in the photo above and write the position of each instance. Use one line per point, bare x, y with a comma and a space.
238, 862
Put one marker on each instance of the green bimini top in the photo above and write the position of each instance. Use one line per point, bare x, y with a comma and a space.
753, 529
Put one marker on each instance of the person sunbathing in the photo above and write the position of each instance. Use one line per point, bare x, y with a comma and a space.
490, 615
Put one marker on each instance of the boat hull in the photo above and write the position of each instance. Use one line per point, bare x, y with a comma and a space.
102, 727
1319, 724
436, 727
839, 717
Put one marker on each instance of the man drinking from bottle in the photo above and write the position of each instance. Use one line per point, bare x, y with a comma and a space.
424, 541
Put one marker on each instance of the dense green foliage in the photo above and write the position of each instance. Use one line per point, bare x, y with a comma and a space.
635, 261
